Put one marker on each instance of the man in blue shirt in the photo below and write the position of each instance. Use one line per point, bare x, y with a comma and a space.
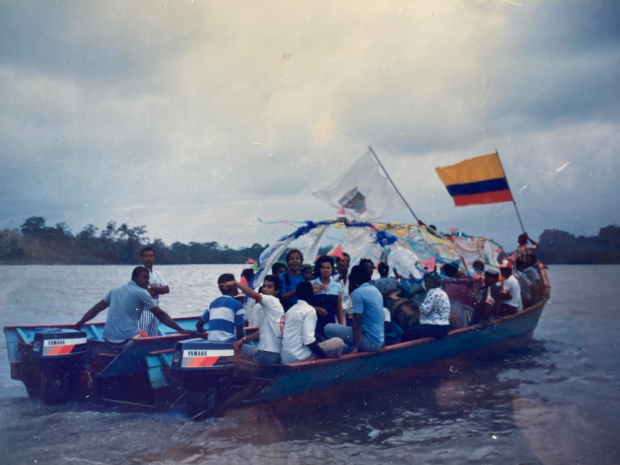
367, 333
225, 314
126, 304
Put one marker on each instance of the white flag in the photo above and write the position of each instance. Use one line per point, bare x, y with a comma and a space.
363, 192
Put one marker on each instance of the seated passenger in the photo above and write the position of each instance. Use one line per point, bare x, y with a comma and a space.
488, 298
525, 284
510, 294
290, 279
299, 343
278, 268
369, 266
532, 271
366, 334
434, 312
306, 273
386, 284
127, 302
269, 334
327, 299
225, 315
246, 276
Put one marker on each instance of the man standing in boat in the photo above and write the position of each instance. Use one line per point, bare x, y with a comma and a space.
127, 302
157, 286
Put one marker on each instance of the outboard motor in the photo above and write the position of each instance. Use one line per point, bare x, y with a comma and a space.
206, 369
58, 354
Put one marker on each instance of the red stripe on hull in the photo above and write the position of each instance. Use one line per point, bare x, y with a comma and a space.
482, 199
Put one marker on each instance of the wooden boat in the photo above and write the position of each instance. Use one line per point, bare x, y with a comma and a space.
223, 381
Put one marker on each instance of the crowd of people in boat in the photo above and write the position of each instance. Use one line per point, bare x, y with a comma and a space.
305, 313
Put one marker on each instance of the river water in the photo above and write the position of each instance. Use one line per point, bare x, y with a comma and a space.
557, 401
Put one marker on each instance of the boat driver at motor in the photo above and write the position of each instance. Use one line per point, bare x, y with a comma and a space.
127, 303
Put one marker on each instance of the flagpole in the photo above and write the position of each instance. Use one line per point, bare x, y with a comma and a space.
394, 185
511, 195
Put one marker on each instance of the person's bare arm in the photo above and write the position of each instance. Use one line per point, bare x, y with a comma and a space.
248, 291
255, 336
532, 241
160, 290
289, 295
168, 321
320, 311
92, 313
357, 331
200, 326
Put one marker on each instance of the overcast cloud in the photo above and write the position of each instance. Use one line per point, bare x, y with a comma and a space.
152, 112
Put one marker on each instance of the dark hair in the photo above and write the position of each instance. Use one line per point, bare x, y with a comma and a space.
363, 263
433, 227
277, 282
522, 239
450, 270
276, 266
478, 261
323, 259
148, 249
247, 273
226, 277
383, 269
304, 291
292, 251
359, 274
137, 271
344, 254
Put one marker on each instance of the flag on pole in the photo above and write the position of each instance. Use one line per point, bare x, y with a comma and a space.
477, 181
363, 192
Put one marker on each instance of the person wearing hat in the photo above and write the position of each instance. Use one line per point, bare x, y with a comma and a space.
487, 305
510, 294
434, 312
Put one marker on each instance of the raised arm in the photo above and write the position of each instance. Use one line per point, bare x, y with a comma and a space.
92, 313
532, 241
165, 319
251, 293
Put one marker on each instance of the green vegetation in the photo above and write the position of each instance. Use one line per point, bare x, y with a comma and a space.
559, 247
36, 243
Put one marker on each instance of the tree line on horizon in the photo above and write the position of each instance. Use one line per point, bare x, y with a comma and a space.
36, 243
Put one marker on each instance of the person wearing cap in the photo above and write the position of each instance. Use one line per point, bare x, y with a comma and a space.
510, 293
434, 312
487, 305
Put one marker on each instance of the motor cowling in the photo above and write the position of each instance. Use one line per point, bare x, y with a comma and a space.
199, 360
59, 354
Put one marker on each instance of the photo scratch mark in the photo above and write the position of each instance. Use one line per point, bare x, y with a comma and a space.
563, 166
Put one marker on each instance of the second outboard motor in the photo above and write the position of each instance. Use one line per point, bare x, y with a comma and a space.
206, 369
59, 354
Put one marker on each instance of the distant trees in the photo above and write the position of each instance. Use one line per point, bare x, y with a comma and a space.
34, 242
560, 247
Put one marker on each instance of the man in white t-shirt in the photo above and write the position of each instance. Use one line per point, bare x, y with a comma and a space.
271, 324
299, 343
510, 294
157, 286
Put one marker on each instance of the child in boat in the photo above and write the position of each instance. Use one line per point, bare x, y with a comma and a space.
306, 273
290, 279
225, 315
299, 343
278, 268
269, 334
434, 312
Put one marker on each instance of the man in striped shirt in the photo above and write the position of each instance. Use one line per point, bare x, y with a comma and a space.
225, 315
148, 324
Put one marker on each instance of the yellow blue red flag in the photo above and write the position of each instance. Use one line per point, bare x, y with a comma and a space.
477, 181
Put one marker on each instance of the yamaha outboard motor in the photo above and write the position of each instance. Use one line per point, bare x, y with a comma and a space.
59, 354
206, 369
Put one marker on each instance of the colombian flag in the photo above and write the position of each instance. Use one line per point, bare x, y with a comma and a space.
477, 181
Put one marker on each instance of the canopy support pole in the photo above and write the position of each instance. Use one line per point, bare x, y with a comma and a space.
511, 195
392, 182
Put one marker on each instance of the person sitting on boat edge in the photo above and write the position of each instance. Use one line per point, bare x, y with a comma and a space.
532, 271
366, 334
523, 250
327, 299
487, 305
290, 279
157, 286
225, 315
269, 334
434, 312
510, 295
127, 303
299, 343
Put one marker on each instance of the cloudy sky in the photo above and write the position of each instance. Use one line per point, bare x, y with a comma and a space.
197, 118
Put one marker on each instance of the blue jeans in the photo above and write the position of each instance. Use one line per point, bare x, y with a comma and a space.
346, 334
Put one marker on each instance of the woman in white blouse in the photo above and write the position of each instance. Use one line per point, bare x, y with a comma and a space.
434, 312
